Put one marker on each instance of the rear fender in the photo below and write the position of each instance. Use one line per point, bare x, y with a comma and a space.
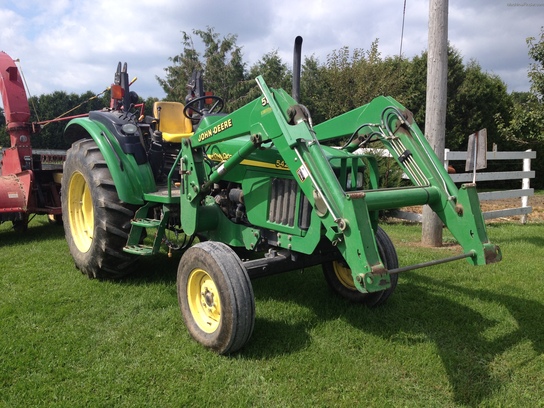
131, 180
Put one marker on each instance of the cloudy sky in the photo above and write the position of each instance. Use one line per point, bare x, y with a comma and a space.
74, 45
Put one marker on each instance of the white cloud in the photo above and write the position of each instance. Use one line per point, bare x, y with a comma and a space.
74, 45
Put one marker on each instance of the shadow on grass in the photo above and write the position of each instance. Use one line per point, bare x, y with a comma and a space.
39, 230
287, 329
422, 310
460, 334
531, 236
157, 268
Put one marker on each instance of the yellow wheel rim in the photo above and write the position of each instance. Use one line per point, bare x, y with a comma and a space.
344, 275
80, 212
204, 300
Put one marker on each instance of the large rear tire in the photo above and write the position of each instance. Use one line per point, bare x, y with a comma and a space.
338, 274
96, 222
216, 297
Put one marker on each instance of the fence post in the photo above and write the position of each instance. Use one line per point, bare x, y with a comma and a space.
525, 184
446, 161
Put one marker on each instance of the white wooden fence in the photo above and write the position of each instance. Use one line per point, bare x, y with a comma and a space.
523, 193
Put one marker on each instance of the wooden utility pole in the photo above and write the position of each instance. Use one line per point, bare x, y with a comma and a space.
435, 111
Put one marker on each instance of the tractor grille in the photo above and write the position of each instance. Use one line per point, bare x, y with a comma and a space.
283, 204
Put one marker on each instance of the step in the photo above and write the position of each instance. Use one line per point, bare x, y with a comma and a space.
146, 222
162, 196
139, 249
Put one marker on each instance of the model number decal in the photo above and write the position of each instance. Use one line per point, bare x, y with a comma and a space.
215, 130
219, 156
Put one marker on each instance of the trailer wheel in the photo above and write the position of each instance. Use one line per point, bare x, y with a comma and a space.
216, 297
338, 275
96, 222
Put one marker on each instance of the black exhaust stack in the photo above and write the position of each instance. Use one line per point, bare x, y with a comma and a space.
297, 58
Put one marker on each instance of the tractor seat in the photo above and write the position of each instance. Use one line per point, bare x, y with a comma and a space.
173, 124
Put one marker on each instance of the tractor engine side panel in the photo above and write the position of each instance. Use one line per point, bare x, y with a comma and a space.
275, 202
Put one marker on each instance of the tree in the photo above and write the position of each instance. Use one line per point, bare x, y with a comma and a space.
178, 74
349, 79
275, 73
60, 104
339, 81
413, 97
222, 66
536, 69
526, 126
148, 104
480, 99
475, 98
314, 90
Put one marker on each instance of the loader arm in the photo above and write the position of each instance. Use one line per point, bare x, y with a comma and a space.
347, 222
392, 125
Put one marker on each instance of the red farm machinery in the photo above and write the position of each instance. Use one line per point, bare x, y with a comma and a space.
29, 180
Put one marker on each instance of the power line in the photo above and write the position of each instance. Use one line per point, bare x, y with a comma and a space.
402, 30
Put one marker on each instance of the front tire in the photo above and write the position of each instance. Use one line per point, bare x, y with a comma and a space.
339, 278
216, 297
96, 222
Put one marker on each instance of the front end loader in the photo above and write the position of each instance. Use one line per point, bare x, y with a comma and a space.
248, 194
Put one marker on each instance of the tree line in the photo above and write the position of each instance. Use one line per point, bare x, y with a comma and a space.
346, 79
351, 78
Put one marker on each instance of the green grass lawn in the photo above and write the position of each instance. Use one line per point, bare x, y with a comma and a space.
451, 335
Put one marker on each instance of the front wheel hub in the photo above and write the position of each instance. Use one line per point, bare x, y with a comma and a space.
204, 301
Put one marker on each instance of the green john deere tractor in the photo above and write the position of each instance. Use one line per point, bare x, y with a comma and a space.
263, 180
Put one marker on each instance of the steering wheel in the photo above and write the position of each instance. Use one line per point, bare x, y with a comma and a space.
217, 105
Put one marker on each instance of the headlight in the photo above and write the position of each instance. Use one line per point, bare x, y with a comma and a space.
129, 128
